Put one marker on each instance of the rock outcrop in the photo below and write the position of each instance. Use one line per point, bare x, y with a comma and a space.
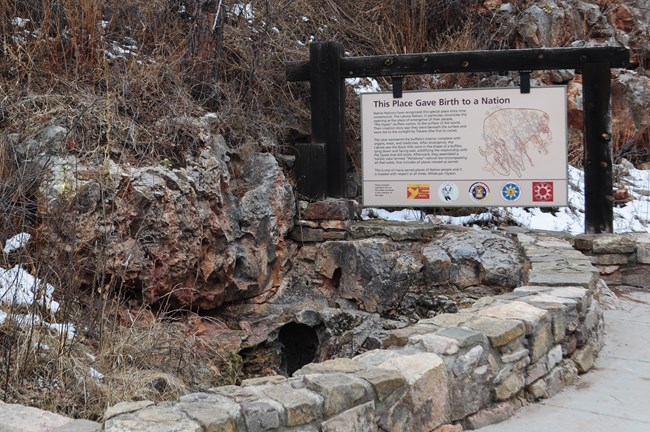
192, 236
562, 23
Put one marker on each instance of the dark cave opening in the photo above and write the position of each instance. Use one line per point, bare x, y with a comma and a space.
300, 345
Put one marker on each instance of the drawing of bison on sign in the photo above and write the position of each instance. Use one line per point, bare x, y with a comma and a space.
512, 136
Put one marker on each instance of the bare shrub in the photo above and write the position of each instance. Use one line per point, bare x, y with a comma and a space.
144, 359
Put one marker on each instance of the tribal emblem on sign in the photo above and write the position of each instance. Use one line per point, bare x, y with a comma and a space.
479, 191
542, 191
511, 192
418, 191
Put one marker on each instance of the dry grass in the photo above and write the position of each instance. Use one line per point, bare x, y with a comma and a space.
150, 359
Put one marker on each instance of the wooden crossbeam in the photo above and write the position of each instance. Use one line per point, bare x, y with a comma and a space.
469, 61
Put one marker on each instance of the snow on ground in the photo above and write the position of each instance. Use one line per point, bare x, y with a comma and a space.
16, 242
363, 85
634, 216
19, 287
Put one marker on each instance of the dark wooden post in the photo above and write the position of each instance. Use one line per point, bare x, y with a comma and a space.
328, 111
311, 171
596, 89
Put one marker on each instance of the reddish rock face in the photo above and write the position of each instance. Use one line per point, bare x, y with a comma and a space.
623, 18
593, 23
191, 237
631, 116
332, 209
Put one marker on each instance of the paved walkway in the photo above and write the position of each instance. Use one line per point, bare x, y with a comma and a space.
615, 395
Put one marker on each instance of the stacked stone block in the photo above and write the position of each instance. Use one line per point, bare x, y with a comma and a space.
622, 259
446, 373
324, 220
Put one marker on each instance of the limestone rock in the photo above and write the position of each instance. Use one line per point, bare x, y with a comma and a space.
494, 414
374, 273
20, 418
125, 408
434, 343
211, 417
610, 259
449, 320
449, 428
529, 315
258, 411
499, 332
476, 257
607, 299
510, 387
554, 357
273, 379
552, 277
425, 405
307, 235
358, 419
401, 337
562, 375
464, 337
339, 365
374, 358
213, 409
536, 371
384, 382
301, 406
153, 419
395, 231
612, 244
339, 391
514, 356
465, 363
643, 249
471, 393
537, 389
437, 264
262, 414
584, 358
636, 276
331, 209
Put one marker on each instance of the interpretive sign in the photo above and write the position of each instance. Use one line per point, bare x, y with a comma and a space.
465, 148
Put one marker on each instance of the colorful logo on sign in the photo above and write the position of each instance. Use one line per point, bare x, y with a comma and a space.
448, 192
418, 191
479, 191
511, 192
542, 191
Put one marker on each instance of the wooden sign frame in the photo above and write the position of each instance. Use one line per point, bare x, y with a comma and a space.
328, 67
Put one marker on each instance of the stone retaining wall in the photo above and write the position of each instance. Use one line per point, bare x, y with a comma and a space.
623, 260
446, 373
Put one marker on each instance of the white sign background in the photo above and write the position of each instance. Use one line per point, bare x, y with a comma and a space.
465, 148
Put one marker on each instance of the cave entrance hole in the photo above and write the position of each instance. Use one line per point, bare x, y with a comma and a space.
300, 345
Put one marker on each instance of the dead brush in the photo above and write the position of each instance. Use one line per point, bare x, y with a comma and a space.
70, 374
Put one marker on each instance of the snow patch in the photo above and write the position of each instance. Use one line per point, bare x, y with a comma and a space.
16, 242
363, 85
245, 10
20, 22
